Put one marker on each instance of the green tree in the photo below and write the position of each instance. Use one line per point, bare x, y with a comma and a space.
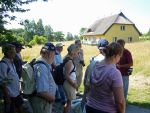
30, 30
76, 37
49, 33
39, 28
82, 30
38, 40
69, 36
8, 38
58, 36
7, 6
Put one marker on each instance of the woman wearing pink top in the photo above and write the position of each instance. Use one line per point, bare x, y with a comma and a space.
106, 91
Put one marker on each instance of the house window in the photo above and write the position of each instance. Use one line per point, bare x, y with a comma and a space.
129, 39
122, 28
114, 39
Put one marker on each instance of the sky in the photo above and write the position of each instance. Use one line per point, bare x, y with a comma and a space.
72, 15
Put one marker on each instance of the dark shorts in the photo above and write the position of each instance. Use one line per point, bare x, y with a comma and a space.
62, 94
16, 102
92, 110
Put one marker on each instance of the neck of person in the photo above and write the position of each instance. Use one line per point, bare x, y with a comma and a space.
48, 60
70, 56
10, 59
110, 60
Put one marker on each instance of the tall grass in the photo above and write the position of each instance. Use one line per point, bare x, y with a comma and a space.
140, 52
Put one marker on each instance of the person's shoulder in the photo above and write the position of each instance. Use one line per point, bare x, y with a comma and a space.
126, 50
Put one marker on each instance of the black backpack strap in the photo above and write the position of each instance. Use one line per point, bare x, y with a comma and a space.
8, 69
73, 70
66, 60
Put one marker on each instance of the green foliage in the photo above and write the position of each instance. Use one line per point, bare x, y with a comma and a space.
82, 30
58, 36
69, 36
76, 37
39, 28
30, 30
8, 38
49, 33
38, 40
12, 6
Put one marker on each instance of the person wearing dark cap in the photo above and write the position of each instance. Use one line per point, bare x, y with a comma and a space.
11, 87
102, 43
45, 85
18, 58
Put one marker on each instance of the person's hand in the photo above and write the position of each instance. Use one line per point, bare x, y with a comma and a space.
118, 66
75, 86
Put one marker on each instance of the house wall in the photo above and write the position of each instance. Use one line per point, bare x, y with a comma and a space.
115, 31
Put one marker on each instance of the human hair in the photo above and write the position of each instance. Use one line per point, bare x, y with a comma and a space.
113, 49
6, 48
121, 42
43, 51
77, 41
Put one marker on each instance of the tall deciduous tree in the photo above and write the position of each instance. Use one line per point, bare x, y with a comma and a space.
59, 36
49, 33
39, 28
69, 36
30, 30
7, 6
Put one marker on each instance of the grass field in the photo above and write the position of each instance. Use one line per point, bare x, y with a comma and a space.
139, 91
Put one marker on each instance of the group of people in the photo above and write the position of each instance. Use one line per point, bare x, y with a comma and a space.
106, 78
46, 87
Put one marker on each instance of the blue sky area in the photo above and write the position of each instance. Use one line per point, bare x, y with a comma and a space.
71, 15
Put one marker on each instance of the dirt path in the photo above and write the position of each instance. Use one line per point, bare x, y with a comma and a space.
136, 109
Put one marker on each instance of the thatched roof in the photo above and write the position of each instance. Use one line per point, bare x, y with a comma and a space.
101, 26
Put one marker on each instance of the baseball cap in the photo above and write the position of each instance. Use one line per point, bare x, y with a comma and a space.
72, 47
17, 45
49, 46
59, 45
102, 43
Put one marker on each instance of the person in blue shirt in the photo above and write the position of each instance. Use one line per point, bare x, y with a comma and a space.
58, 58
45, 84
10, 81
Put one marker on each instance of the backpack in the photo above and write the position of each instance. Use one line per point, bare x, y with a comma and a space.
58, 73
88, 73
28, 80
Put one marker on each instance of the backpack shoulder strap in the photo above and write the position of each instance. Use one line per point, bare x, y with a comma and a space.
66, 60
8, 68
73, 70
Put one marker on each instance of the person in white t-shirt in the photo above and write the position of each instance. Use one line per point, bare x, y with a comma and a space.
102, 43
70, 84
